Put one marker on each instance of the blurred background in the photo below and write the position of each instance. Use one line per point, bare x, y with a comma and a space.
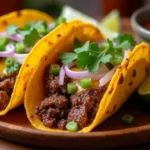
94, 8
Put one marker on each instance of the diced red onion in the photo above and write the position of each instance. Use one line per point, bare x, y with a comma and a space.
51, 25
85, 74
61, 76
107, 77
15, 37
10, 50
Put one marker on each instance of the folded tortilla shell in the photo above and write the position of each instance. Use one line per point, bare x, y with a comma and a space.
127, 78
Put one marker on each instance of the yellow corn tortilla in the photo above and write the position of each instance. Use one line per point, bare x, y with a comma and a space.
127, 78
20, 18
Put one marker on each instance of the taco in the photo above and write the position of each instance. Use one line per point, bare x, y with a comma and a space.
78, 83
16, 41
20, 18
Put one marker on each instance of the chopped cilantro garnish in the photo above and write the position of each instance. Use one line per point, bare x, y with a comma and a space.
89, 55
14, 68
12, 29
31, 37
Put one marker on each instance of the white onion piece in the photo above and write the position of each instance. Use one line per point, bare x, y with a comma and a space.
15, 37
85, 74
108, 76
19, 57
125, 53
10, 50
51, 25
61, 76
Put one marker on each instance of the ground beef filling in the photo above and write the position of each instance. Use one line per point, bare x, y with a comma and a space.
58, 108
6, 87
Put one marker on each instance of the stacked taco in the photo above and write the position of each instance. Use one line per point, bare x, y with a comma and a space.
19, 31
79, 82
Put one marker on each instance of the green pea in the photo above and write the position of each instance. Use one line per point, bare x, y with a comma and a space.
54, 69
3, 42
127, 119
72, 126
20, 48
71, 88
9, 62
86, 83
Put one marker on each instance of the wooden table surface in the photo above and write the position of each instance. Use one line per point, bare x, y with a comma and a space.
7, 145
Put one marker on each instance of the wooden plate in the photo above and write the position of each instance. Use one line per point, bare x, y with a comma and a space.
112, 133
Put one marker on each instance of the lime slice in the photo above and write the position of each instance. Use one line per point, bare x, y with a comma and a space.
112, 21
72, 14
144, 90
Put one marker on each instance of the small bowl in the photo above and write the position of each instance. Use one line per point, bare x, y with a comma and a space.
138, 18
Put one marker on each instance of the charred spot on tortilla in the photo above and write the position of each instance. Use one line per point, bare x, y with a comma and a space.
107, 112
134, 73
58, 35
121, 79
50, 43
5, 23
130, 83
146, 70
27, 65
18, 13
127, 62
24, 88
44, 58
114, 108
31, 116
111, 91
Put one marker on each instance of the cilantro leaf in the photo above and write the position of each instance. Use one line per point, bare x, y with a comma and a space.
76, 44
90, 56
12, 29
31, 37
14, 68
84, 59
67, 57
127, 39
41, 23
29, 25
85, 47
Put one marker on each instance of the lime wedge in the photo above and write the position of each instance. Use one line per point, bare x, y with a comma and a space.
72, 14
112, 21
144, 90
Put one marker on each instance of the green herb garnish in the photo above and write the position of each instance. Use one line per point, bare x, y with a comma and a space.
12, 29
89, 55
13, 68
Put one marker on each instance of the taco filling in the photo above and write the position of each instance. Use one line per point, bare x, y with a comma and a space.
15, 45
75, 86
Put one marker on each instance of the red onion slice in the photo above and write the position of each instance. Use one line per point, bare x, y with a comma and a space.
10, 50
51, 25
85, 74
108, 76
15, 37
19, 57
61, 76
